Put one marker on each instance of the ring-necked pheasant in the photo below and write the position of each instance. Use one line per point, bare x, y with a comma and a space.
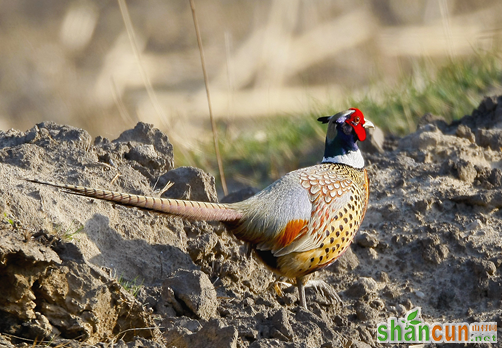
299, 224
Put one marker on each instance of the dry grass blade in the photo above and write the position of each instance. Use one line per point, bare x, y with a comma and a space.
213, 125
443, 7
146, 80
124, 114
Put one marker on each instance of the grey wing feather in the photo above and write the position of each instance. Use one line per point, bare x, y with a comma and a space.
272, 209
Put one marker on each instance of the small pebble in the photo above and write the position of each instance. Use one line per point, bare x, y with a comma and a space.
419, 294
382, 276
372, 253
367, 240
364, 286
475, 225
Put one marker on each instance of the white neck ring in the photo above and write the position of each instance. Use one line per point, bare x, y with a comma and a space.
352, 158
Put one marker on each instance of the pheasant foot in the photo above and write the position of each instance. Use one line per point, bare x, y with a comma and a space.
325, 289
319, 285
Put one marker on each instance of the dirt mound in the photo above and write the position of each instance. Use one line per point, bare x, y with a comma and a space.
48, 290
430, 239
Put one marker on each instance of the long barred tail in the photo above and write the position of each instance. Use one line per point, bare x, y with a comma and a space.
189, 209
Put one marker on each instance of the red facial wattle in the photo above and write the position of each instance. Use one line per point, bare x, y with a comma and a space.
356, 120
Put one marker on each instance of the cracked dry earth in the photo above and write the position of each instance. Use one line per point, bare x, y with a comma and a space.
69, 264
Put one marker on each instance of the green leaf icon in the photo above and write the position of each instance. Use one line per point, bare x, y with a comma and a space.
412, 315
415, 322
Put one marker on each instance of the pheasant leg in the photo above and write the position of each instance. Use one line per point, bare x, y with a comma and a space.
319, 285
301, 290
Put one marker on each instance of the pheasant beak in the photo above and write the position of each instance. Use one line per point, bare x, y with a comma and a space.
368, 124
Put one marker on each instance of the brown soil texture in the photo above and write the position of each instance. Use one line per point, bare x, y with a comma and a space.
430, 239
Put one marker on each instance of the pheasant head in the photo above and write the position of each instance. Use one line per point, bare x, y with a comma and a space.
344, 130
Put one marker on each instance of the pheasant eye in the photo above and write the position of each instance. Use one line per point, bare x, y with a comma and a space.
357, 119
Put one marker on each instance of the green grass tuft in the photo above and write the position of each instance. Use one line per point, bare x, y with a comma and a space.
451, 91
131, 286
69, 233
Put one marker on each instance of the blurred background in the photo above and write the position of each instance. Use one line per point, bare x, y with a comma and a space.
75, 62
